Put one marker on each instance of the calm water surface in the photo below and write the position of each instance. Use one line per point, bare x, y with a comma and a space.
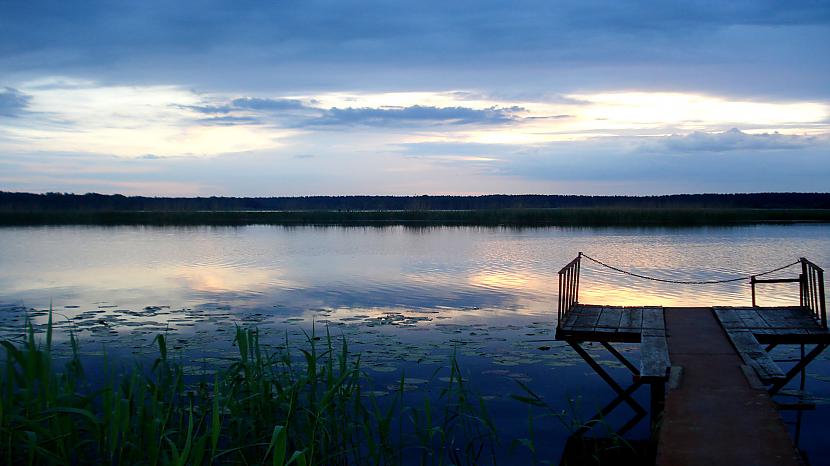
404, 297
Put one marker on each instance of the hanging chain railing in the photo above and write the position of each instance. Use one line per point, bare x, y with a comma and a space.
689, 282
811, 284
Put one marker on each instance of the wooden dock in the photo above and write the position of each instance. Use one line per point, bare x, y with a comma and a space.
714, 415
711, 376
606, 324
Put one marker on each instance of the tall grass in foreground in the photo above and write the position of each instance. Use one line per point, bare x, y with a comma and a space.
263, 409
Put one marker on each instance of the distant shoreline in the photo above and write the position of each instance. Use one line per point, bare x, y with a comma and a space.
511, 217
31, 202
525, 210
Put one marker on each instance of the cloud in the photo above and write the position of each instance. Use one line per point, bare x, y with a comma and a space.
598, 166
294, 78
621, 166
253, 111
208, 109
417, 114
534, 45
154, 25
299, 113
13, 102
456, 149
254, 103
247, 103
731, 140
228, 120
519, 95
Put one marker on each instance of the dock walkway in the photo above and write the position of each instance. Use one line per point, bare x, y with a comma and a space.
715, 416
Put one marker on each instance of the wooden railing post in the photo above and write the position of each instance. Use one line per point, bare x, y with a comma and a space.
811, 296
805, 283
822, 303
559, 315
578, 267
802, 299
810, 288
568, 288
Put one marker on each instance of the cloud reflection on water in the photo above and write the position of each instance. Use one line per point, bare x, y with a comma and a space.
290, 270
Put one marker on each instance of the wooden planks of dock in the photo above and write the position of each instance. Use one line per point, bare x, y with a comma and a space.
719, 413
773, 324
643, 324
739, 325
715, 416
613, 323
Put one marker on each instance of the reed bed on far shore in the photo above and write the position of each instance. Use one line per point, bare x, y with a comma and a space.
572, 217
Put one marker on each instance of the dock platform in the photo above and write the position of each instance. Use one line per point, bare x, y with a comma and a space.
714, 415
711, 375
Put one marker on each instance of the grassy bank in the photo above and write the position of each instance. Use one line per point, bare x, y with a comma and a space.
497, 217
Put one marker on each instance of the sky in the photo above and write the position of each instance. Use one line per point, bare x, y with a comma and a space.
281, 98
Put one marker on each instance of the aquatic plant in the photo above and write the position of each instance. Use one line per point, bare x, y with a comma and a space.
265, 408
519, 217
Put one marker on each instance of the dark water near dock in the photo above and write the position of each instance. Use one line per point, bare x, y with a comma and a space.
406, 298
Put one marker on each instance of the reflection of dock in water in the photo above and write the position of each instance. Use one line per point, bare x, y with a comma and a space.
714, 361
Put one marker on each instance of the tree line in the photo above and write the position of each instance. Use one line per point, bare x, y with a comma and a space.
33, 202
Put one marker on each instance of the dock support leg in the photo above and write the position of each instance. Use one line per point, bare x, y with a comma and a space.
658, 401
623, 394
797, 368
604, 412
621, 358
606, 377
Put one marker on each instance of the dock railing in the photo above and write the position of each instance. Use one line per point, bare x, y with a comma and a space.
811, 285
568, 288
812, 290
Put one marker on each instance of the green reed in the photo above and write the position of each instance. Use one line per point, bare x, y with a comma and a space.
518, 217
265, 408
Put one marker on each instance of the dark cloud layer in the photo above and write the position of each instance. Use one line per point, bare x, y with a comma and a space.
12, 102
255, 103
741, 46
416, 114
731, 140
228, 120
249, 103
302, 114
191, 26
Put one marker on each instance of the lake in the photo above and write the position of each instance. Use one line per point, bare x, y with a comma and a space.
406, 298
